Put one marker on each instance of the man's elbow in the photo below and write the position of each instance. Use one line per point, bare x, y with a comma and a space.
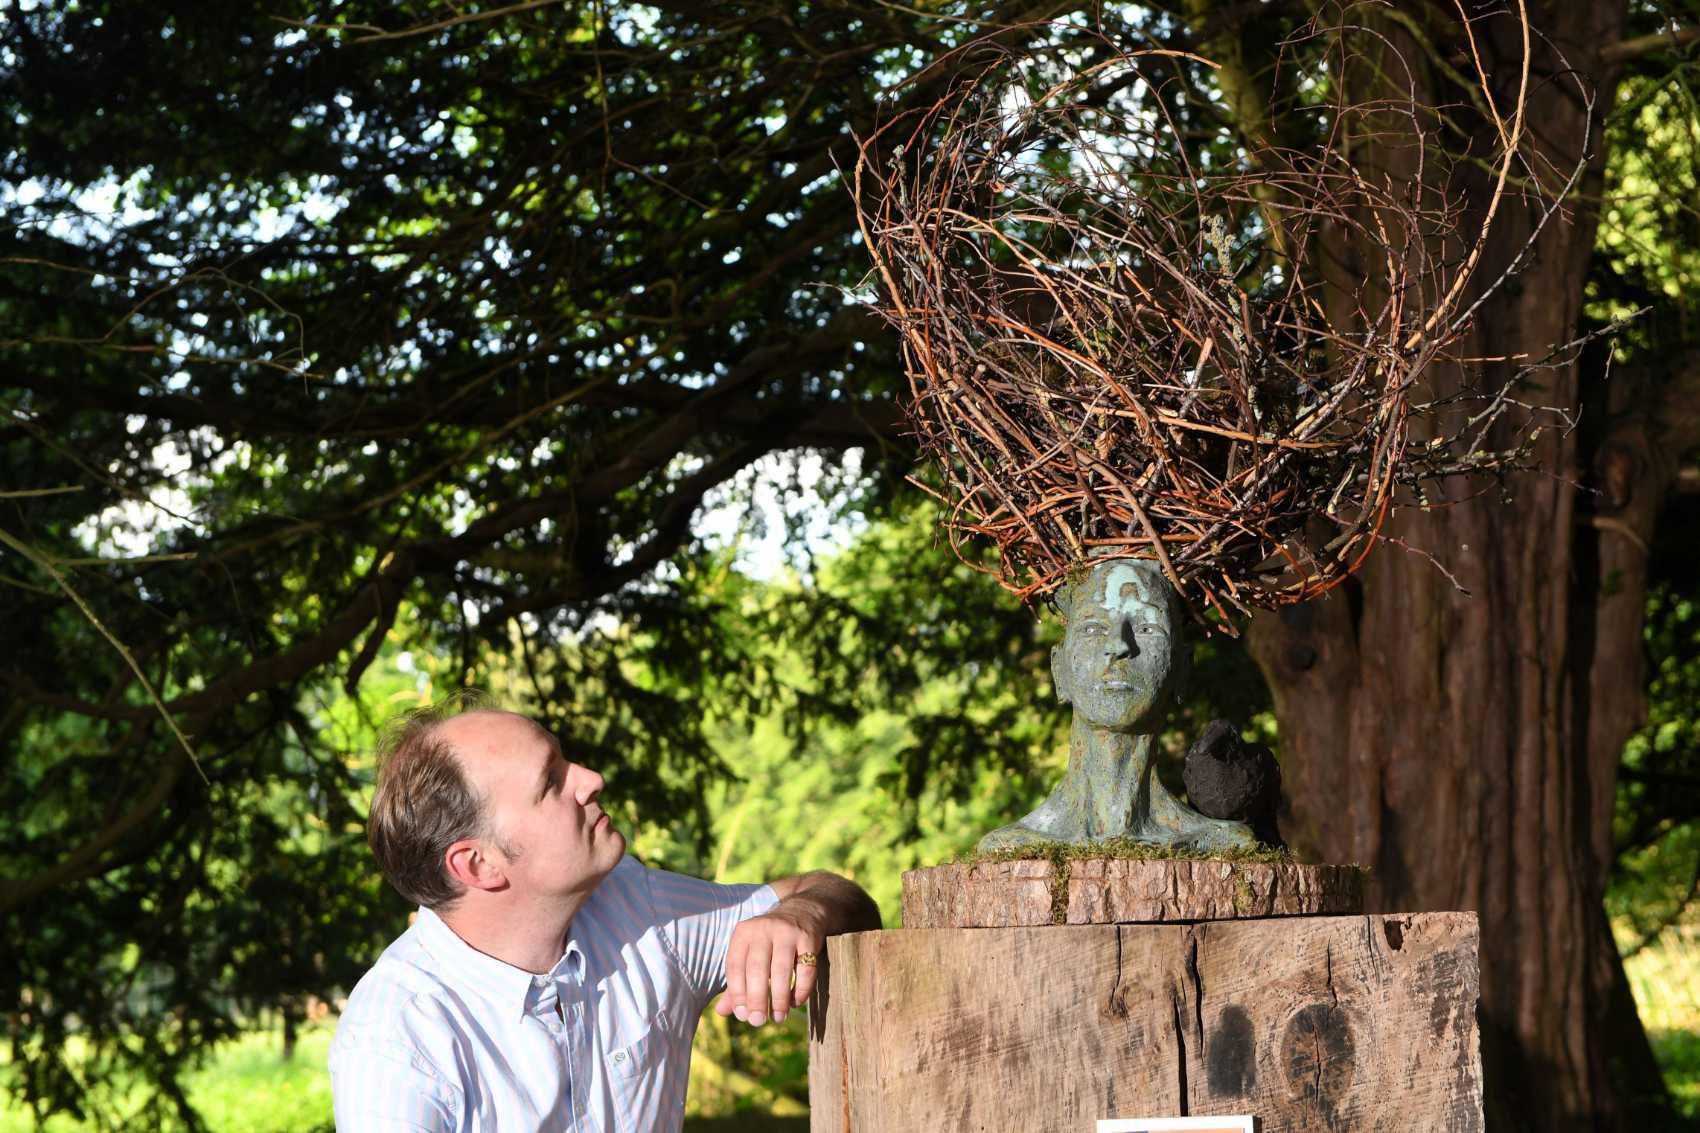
837, 904
858, 911
867, 911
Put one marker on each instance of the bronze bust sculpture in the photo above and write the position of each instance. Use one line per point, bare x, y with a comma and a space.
1122, 665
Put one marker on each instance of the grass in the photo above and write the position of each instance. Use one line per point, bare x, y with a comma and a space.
1666, 981
249, 1088
245, 1087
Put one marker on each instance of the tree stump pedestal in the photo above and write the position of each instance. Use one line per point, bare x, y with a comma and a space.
1018, 999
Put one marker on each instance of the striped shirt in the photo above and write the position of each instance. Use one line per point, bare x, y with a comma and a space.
440, 1037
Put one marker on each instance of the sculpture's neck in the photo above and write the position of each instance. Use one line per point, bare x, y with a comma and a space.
1112, 773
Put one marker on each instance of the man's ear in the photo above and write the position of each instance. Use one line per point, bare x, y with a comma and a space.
470, 862
1059, 676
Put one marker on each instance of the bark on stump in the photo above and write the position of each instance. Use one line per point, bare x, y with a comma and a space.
1337, 1023
1123, 891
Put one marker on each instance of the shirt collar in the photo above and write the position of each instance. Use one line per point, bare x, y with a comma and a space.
465, 968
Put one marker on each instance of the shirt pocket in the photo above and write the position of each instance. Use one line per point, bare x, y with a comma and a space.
638, 1077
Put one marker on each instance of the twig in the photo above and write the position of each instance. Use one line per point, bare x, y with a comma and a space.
376, 34
1100, 355
47, 565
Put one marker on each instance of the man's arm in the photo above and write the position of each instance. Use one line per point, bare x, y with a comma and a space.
762, 958
376, 1089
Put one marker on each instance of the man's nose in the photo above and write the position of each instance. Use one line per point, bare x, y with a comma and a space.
587, 784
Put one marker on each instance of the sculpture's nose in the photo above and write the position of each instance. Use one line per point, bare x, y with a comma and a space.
1129, 640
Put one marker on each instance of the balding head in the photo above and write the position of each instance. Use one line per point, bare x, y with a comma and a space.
480, 737
429, 794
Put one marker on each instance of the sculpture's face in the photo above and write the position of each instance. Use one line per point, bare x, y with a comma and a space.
1116, 663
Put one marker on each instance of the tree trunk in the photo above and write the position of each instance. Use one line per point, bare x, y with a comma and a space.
292, 1015
1466, 747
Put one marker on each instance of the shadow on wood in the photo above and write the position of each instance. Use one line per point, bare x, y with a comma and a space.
1313, 1023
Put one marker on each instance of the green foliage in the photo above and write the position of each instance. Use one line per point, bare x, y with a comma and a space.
1657, 826
1679, 1054
449, 334
274, 903
1647, 260
1648, 249
903, 706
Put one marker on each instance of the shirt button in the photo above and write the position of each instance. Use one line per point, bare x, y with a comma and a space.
619, 1056
539, 981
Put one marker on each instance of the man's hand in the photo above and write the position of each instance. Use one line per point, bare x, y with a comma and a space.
763, 979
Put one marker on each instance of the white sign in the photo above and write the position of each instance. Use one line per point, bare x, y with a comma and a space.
1168, 1124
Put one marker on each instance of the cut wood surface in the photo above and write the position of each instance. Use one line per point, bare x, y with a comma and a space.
1123, 891
1324, 1023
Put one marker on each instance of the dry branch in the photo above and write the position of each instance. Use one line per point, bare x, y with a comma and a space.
1117, 346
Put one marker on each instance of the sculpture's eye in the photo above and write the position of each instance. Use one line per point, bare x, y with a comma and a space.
1147, 629
1094, 628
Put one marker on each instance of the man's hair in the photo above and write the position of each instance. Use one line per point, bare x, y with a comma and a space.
423, 803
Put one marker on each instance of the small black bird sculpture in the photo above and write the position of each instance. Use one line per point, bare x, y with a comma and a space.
1226, 777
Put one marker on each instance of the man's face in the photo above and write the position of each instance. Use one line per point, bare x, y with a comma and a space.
1115, 663
545, 815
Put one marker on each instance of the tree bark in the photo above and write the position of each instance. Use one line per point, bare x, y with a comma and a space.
1466, 747
291, 1011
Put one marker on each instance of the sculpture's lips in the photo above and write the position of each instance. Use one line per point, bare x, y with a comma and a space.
1118, 686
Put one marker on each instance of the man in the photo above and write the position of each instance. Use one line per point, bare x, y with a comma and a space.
548, 981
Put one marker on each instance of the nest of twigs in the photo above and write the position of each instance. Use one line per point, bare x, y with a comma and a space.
1115, 351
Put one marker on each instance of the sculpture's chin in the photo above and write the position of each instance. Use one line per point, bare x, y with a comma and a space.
1118, 712
1139, 727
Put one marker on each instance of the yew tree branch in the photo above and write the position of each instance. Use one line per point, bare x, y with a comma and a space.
1626, 49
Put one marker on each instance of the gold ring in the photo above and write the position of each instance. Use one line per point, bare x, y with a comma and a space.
806, 959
